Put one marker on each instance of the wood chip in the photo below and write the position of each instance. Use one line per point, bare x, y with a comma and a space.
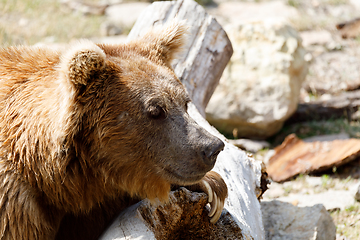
295, 156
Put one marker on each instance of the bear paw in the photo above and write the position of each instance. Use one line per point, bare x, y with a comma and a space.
215, 187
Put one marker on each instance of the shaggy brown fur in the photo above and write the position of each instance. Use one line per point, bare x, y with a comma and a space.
86, 131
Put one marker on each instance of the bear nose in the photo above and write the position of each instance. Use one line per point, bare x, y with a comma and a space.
212, 151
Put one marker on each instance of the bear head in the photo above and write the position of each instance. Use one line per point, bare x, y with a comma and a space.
129, 124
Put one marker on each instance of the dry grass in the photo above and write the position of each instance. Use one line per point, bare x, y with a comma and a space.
32, 21
348, 221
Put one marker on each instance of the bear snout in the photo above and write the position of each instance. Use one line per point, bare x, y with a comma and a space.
211, 151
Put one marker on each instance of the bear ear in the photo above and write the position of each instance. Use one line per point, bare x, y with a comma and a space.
168, 40
82, 61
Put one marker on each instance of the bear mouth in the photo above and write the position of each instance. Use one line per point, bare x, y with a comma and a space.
180, 179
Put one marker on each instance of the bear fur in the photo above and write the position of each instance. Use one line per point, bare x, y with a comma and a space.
87, 130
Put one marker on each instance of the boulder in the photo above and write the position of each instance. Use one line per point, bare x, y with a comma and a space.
329, 199
124, 15
260, 86
250, 145
253, 11
355, 3
334, 72
283, 221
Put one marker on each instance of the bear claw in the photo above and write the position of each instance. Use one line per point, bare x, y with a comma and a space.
213, 205
208, 190
215, 187
219, 208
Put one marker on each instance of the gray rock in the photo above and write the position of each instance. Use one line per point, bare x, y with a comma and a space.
283, 221
124, 15
313, 181
335, 71
260, 87
110, 29
247, 11
330, 199
250, 145
276, 190
321, 37
355, 3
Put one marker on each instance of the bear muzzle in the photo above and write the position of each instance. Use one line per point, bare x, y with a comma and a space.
211, 151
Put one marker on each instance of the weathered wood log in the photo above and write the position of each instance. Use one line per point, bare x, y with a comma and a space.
167, 221
206, 53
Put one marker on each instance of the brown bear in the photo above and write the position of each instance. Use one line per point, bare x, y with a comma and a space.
87, 130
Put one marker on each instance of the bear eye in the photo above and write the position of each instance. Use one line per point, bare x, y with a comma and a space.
156, 112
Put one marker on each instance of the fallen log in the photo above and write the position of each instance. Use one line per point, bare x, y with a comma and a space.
295, 156
341, 106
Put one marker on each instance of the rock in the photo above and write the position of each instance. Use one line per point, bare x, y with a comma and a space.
124, 15
317, 42
110, 29
183, 217
313, 181
335, 71
275, 191
250, 145
85, 8
355, 3
295, 156
260, 87
330, 199
206, 53
306, 191
283, 221
111, 39
245, 11
321, 37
